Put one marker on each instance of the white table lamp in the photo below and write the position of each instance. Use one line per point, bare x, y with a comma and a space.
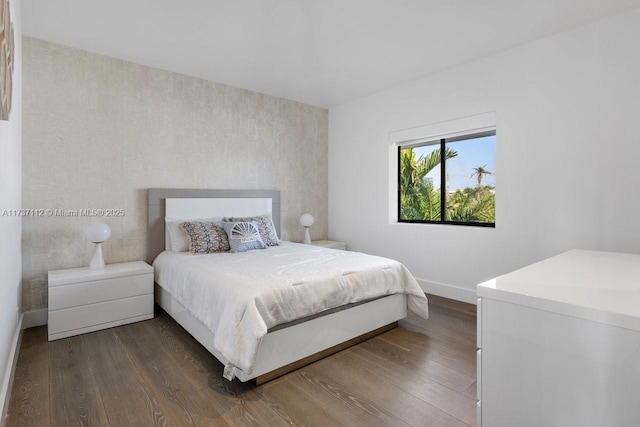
97, 233
306, 221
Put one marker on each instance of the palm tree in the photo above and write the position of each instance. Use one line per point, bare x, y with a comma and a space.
418, 198
480, 172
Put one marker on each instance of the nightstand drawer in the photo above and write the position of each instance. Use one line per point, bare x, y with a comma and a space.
72, 295
81, 319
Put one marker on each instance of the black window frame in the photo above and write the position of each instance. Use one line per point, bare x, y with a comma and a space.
443, 175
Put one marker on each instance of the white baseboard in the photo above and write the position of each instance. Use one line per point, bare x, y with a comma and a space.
10, 370
35, 318
449, 291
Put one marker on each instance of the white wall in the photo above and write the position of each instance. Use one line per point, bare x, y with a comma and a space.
567, 157
10, 227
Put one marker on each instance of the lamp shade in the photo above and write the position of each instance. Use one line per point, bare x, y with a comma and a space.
97, 232
306, 220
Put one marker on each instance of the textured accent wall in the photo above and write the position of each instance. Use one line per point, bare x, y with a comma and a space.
98, 132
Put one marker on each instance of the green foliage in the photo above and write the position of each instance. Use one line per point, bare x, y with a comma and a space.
472, 205
420, 201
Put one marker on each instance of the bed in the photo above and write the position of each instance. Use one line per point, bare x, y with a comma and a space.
261, 335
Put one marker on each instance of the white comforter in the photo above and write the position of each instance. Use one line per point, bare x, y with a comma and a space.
241, 295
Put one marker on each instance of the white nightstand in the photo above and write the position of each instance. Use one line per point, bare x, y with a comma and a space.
83, 300
330, 244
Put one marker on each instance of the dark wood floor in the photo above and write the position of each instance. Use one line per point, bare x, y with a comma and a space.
153, 373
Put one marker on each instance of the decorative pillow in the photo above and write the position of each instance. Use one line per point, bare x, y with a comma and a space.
266, 228
178, 239
243, 236
205, 237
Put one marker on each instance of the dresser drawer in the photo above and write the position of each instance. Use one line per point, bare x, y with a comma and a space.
479, 375
76, 294
82, 317
479, 324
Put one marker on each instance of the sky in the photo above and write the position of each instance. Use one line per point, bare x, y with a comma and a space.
471, 154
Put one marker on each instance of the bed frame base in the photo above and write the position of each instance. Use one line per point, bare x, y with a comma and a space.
290, 348
322, 354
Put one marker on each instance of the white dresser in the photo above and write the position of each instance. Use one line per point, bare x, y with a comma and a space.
559, 343
83, 300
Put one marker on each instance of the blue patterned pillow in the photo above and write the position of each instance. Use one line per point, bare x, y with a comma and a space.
243, 236
266, 227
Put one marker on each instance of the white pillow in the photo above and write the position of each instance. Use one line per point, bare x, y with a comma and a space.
177, 239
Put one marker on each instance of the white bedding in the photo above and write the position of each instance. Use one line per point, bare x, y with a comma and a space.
239, 296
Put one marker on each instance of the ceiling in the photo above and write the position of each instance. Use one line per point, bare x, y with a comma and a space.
319, 52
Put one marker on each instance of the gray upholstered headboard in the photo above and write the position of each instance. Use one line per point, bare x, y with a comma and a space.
156, 209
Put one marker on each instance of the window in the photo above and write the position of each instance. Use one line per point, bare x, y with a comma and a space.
448, 181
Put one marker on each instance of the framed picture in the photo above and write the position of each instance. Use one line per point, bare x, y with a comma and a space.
7, 53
